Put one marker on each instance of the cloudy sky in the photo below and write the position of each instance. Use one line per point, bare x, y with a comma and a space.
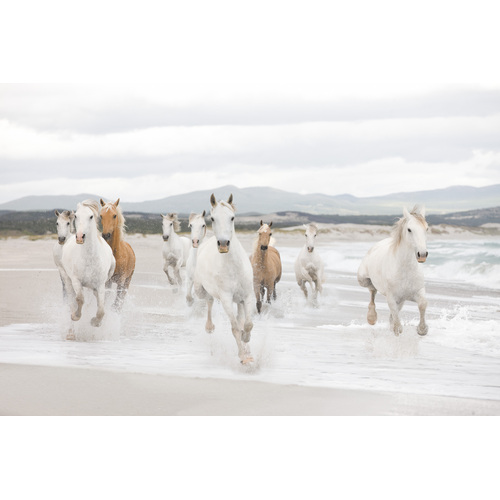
391, 112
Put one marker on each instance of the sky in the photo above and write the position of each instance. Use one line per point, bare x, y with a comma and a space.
305, 103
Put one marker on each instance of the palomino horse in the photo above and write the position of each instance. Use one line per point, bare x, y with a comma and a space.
113, 229
224, 272
266, 264
175, 249
198, 229
88, 259
392, 268
309, 265
65, 228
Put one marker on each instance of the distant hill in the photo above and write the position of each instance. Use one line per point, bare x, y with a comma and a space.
265, 200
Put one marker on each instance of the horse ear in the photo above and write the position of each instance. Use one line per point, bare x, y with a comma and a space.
102, 202
57, 213
191, 216
261, 223
230, 199
213, 201
116, 202
271, 223
421, 211
406, 213
203, 214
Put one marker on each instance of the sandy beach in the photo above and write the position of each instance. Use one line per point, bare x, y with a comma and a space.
171, 369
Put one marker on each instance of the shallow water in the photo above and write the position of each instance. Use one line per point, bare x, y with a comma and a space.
293, 342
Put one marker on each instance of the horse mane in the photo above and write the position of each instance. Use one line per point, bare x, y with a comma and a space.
119, 215
312, 225
231, 206
400, 224
94, 206
175, 220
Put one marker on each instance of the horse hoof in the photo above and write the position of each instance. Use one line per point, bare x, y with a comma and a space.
189, 301
70, 336
95, 322
210, 328
76, 317
397, 330
423, 331
247, 360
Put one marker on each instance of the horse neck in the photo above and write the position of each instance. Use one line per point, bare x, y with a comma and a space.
116, 238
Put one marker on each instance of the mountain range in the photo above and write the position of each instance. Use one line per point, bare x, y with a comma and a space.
263, 200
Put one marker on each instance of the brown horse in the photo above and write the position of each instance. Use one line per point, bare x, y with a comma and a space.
266, 264
113, 228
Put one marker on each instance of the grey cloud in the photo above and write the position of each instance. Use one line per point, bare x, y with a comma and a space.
58, 109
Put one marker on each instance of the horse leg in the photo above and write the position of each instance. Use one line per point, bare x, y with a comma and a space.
302, 285
395, 307
121, 292
258, 295
77, 313
422, 328
243, 349
99, 293
177, 272
372, 313
189, 288
209, 326
270, 291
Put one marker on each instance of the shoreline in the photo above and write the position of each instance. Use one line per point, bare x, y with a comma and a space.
32, 390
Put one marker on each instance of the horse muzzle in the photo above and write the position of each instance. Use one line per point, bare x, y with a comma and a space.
422, 257
80, 239
106, 236
165, 238
223, 246
310, 249
195, 243
263, 247
61, 240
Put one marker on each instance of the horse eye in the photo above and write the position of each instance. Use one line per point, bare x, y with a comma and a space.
114, 216
212, 219
91, 217
409, 230
67, 224
203, 225
232, 218
190, 226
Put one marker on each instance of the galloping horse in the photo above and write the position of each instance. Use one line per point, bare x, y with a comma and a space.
392, 268
175, 249
65, 228
224, 272
266, 264
309, 265
88, 259
113, 228
198, 229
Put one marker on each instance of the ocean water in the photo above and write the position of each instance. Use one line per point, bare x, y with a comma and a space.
328, 344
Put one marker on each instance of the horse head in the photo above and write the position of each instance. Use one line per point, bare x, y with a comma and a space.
222, 216
170, 225
198, 228
86, 220
265, 234
414, 231
310, 234
111, 218
64, 225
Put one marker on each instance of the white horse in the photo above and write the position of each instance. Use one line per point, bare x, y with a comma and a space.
392, 268
175, 249
198, 229
65, 228
309, 266
88, 259
224, 272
